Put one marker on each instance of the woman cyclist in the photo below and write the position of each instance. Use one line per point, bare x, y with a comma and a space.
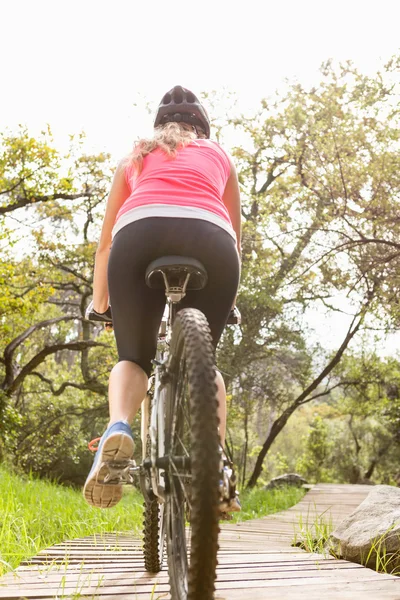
176, 194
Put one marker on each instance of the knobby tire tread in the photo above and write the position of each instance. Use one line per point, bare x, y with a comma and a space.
151, 530
191, 340
151, 527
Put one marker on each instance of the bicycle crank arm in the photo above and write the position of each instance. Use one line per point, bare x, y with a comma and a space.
165, 462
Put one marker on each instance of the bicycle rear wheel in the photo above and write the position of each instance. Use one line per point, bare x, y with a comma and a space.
153, 533
192, 444
153, 519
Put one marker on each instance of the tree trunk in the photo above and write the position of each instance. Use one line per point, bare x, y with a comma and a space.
369, 472
246, 445
305, 396
276, 428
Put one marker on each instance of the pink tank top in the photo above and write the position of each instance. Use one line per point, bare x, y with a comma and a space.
195, 177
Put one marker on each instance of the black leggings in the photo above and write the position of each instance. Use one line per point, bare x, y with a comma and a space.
137, 310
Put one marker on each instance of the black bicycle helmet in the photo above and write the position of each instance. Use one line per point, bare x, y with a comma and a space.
180, 104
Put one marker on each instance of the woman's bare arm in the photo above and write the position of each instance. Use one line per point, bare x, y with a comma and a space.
118, 194
231, 199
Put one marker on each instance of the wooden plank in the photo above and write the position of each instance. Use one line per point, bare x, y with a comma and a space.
227, 572
255, 561
374, 591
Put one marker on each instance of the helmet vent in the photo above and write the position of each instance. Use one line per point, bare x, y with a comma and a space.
180, 104
178, 96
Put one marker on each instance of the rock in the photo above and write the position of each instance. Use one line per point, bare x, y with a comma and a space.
373, 528
286, 479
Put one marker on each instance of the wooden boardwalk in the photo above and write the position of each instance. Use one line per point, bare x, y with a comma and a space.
256, 562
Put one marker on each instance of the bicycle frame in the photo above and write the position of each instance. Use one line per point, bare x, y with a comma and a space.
156, 426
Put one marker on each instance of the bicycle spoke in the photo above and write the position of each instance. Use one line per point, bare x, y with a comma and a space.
182, 485
183, 447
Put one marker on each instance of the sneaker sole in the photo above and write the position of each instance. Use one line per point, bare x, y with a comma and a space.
118, 446
230, 508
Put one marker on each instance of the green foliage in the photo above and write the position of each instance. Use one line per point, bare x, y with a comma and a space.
54, 367
369, 408
27, 166
10, 423
318, 449
319, 177
355, 438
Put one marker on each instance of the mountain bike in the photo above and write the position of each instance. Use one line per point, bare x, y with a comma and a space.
183, 475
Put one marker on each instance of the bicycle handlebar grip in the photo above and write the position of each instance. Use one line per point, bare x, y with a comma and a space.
235, 318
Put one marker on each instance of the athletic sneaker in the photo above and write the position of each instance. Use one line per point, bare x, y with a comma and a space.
230, 502
116, 444
231, 505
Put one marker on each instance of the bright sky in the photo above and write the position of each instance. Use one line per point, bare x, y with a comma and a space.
81, 64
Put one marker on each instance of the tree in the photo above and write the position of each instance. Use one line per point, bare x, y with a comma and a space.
369, 405
47, 348
320, 184
30, 173
318, 449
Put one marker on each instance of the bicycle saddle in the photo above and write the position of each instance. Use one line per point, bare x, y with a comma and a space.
176, 269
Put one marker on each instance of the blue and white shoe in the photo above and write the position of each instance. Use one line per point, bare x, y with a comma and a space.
116, 444
231, 505
229, 496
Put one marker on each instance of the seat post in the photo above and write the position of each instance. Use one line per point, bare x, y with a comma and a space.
176, 275
173, 309
175, 293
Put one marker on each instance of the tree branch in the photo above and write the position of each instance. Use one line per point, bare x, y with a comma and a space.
271, 177
91, 385
350, 423
11, 384
12, 346
71, 271
21, 180
290, 262
22, 201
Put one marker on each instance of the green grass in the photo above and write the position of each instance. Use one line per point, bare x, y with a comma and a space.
379, 559
313, 533
259, 502
36, 514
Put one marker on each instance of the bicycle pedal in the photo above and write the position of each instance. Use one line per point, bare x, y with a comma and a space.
120, 464
119, 472
223, 516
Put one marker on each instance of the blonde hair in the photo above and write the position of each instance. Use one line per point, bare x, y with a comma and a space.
169, 138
